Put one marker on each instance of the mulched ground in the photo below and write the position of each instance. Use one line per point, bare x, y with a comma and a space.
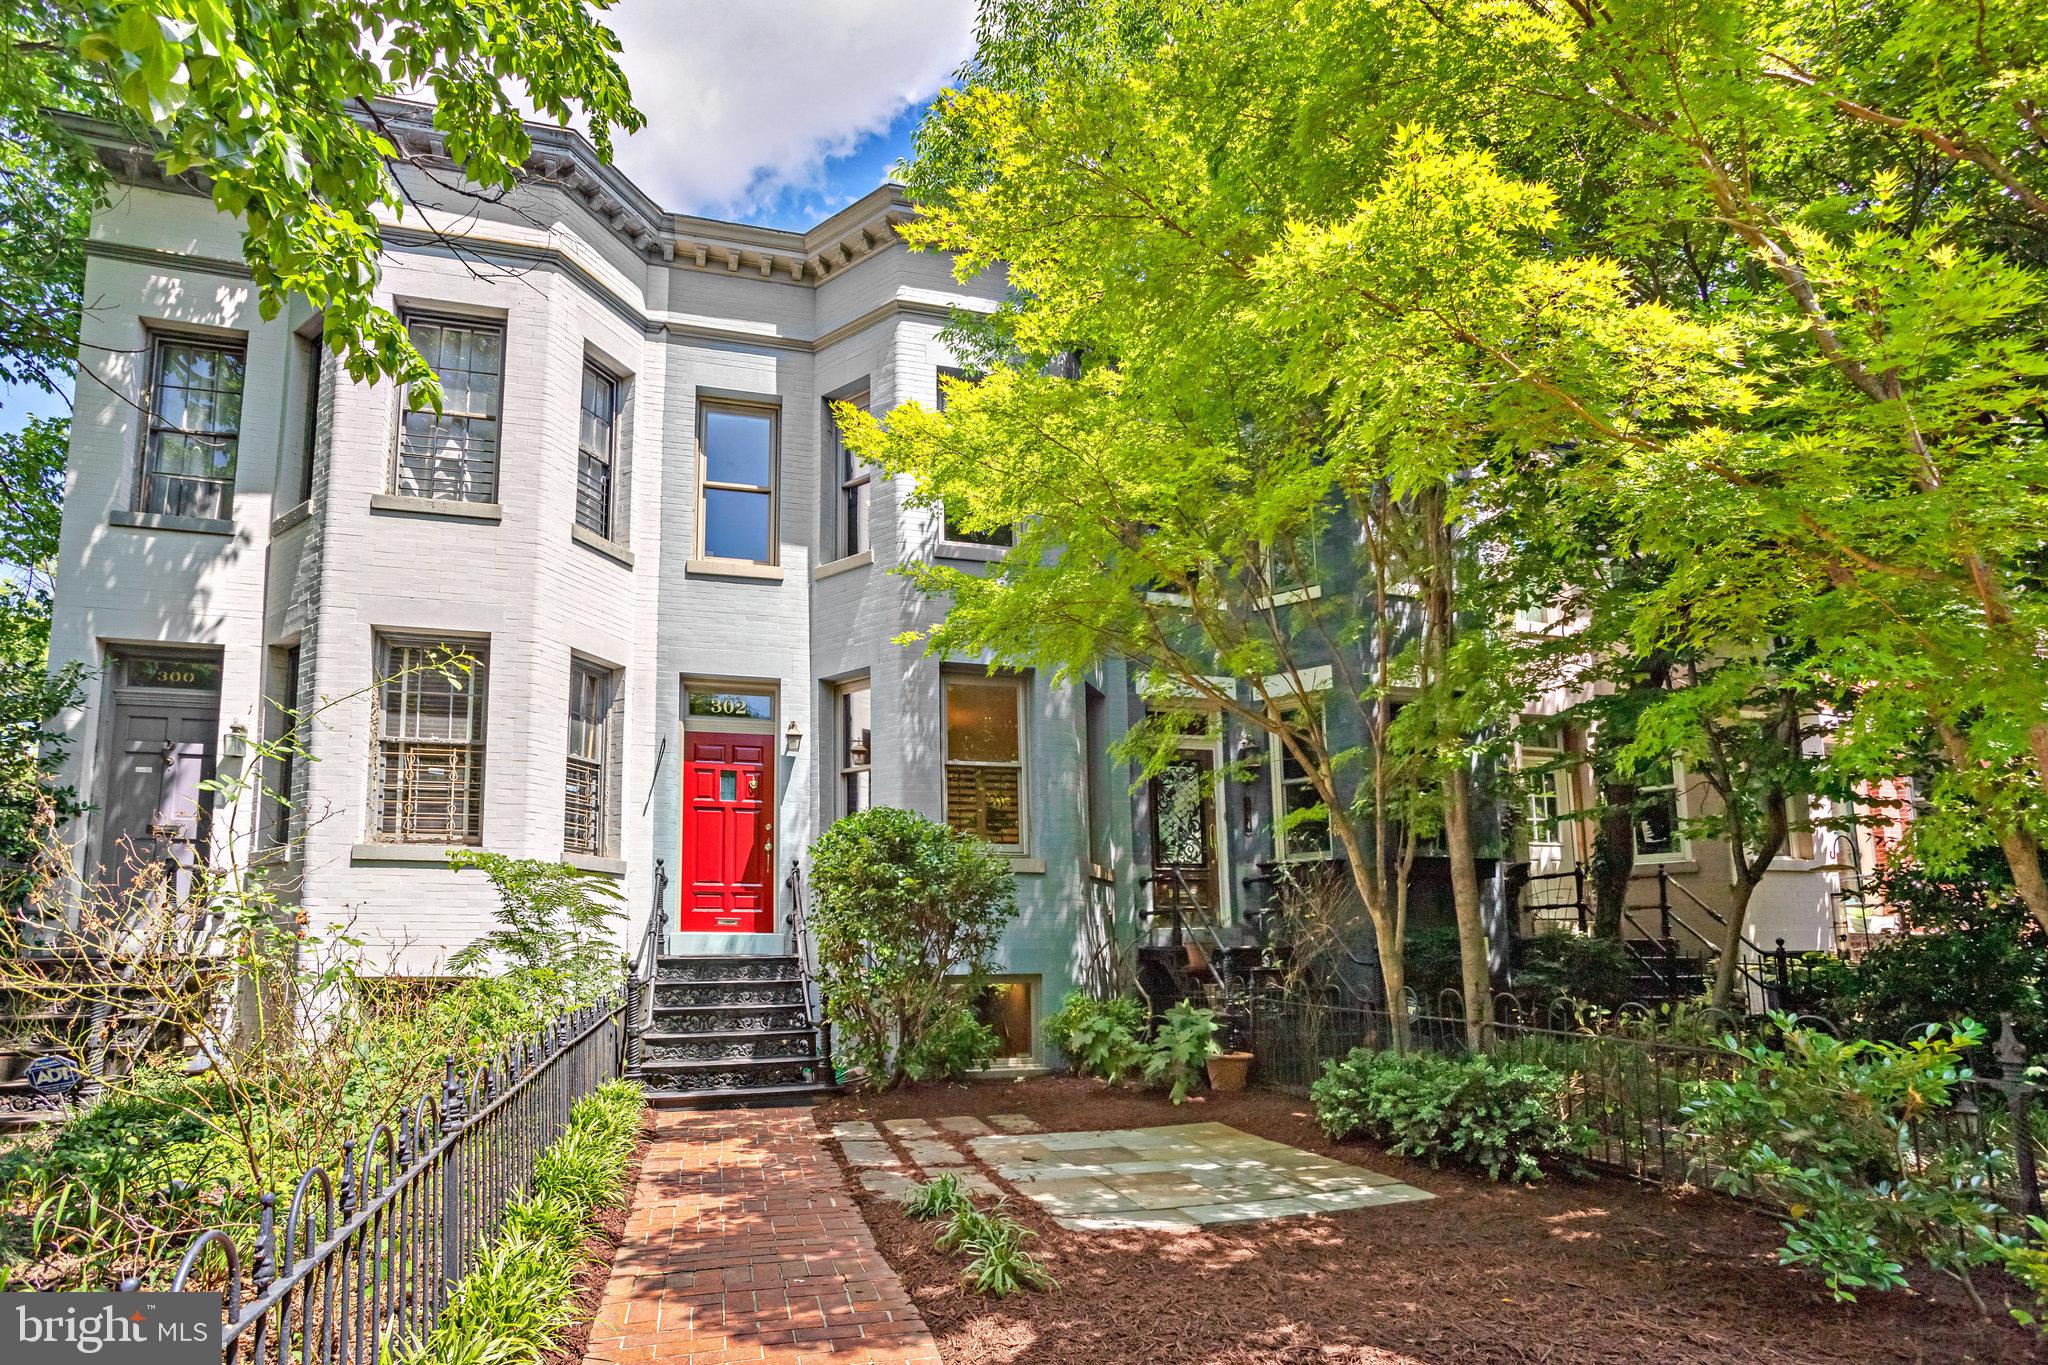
598, 1250
1579, 1272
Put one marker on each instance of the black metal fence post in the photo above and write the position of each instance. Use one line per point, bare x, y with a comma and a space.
451, 1184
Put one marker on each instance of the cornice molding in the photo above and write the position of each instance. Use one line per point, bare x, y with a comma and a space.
564, 162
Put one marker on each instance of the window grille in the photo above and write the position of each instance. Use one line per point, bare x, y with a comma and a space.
430, 743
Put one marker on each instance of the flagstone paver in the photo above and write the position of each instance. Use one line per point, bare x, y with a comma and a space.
1014, 1123
1181, 1176
933, 1152
875, 1153
744, 1244
910, 1128
965, 1124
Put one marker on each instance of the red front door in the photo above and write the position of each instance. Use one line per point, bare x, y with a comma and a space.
728, 834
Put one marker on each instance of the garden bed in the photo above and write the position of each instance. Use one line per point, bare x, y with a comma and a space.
1603, 1270
601, 1248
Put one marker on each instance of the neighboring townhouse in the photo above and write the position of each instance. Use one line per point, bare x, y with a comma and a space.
633, 510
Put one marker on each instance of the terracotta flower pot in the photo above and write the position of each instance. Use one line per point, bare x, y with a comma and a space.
1228, 1071
1198, 961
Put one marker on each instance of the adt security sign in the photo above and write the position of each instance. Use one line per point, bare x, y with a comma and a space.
110, 1329
54, 1075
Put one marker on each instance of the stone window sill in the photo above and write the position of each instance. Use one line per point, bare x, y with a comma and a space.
437, 507
1024, 866
164, 521
436, 854
960, 549
610, 549
615, 867
840, 566
291, 519
732, 568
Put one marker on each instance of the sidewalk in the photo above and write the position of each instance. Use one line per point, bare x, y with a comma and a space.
744, 1245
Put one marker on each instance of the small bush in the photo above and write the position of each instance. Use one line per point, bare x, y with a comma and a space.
1560, 965
998, 1263
1185, 1042
957, 1044
1845, 1136
1502, 1117
513, 1305
902, 908
1102, 1038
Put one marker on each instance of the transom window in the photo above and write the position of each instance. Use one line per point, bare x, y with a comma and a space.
856, 747
596, 446
453, 454
855, 486
985, 759
195, 428
430, 741
736, 505
586, 784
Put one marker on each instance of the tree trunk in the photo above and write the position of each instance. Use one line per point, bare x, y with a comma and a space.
1731, 942
1614, 857
1393, 977
1474, 955
2023, 856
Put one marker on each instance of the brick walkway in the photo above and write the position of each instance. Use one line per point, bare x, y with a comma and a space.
743, 1245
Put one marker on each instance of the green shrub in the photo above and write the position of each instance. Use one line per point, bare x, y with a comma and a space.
554, 925
1838, 1134
1432, 963
1102, 1038
940, 1197
1185, 1042
1561, 965
1502, 1117
902, 909
514, 1304
953, 1046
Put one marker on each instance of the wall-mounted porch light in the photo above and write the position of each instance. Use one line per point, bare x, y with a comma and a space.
236, 746
792, 739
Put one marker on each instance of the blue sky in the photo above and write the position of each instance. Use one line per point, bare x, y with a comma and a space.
776, 112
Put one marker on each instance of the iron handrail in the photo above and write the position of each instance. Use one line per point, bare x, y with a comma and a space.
800, 943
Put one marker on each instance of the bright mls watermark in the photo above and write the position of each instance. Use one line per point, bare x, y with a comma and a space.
116, 1329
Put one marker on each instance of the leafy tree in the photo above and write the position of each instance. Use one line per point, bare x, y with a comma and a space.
554, 925
906, 913
31, 492
273, 109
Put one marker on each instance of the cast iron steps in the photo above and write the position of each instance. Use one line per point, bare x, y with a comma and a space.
732, 1030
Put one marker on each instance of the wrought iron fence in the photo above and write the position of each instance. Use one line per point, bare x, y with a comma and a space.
367, 1259
1629, 1090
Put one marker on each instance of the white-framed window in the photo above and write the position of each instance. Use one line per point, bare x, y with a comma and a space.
193, 429
281, 717
1002, 537
736, 482
597, 443
853, 705
587, 781
428, 780
452, 455
1295, 791
311, 354
1660, 811
985, 758
852, 514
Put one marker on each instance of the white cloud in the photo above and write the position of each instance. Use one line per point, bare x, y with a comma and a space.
748, 98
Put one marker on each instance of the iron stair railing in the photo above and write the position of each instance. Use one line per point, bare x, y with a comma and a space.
640, 973
801, 947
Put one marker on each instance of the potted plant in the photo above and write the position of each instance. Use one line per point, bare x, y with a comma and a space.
1231, 1067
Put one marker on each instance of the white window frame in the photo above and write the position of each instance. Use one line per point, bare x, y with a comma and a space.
1004, 538
842, 745
705, 486
1019, 687
1683, 852
1277, 759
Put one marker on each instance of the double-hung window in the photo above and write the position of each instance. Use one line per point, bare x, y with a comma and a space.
855, 485
596, 449
1658, 815
856, 747
195, 428
736, 484
586, 785
985, 759
452, 455
999, 536
430, 741
1306, 836
311, 354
